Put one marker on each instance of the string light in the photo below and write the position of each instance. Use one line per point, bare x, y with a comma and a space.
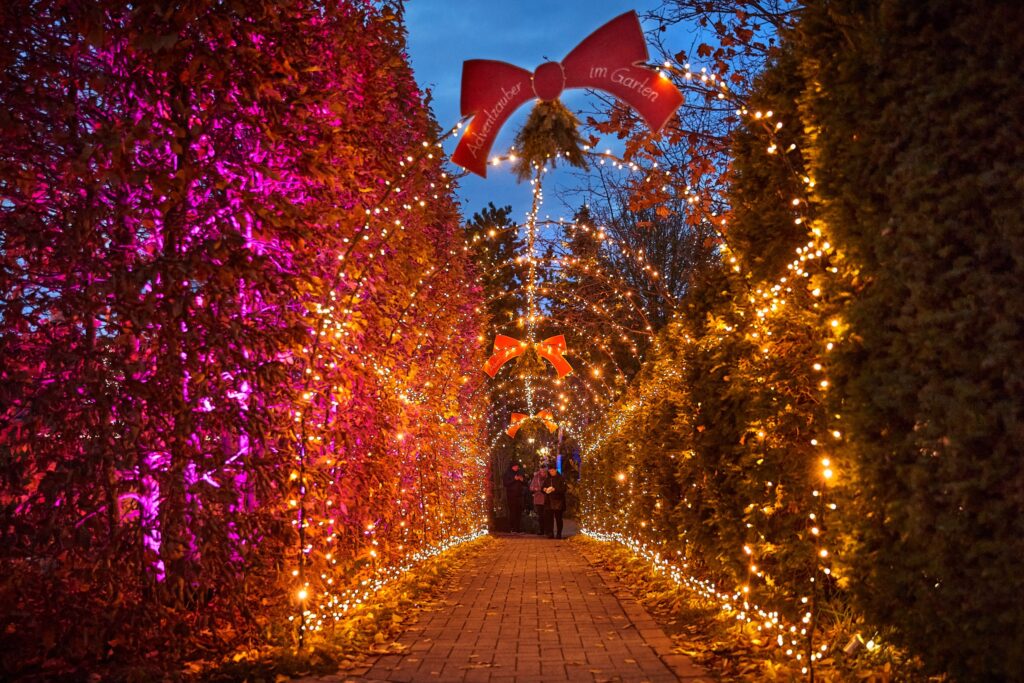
336, 333
735, 604
331, 606
766, 301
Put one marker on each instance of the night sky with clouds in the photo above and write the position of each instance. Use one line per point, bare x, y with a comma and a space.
444, 33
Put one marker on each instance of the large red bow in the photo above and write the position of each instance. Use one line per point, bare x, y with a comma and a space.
608, 59
545, 416
507, 348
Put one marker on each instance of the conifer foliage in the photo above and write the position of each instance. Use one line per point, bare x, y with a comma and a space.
830, 425
915, 115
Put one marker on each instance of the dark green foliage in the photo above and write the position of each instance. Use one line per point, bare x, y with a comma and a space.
493, 235
494, 238
550, 133
764, 183
917, 110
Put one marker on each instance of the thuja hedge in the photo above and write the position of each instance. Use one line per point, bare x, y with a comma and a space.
906, 118
715, 458
915, 114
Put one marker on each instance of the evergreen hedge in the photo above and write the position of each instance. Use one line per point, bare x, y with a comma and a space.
906, 118
915, 115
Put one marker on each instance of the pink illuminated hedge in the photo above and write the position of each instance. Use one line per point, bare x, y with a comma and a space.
234, 326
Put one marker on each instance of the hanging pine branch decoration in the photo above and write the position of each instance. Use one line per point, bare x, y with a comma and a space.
551, 130
530, 365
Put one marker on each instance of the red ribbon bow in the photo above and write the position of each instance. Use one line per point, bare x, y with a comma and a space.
551, 350
545, 416
507, 348
608, 59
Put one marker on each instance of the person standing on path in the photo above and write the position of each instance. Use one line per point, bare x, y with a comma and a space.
555, 488
537, 489
515, 484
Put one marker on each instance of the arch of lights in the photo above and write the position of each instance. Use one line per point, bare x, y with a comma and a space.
599, 379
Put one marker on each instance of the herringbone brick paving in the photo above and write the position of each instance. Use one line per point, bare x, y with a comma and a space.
533, 609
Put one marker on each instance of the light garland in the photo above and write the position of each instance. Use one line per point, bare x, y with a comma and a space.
332, 607
334, 326
736, 604
765, 301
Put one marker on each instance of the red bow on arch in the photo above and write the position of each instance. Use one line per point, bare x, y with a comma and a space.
507, 348
545, 416
609, 59
551, 350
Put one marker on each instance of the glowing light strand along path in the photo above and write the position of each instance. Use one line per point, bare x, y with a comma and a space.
388, 229
784, 635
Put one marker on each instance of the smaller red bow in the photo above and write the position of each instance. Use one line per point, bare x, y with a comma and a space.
545, 416
551, 350
507, 348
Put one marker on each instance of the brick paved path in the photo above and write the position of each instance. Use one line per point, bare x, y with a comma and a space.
533, 609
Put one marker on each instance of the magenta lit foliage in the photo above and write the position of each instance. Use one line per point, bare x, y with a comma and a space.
238, 324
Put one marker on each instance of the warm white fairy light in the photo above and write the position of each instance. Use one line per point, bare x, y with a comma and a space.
736, 604
334, 324
330, 606
766, 300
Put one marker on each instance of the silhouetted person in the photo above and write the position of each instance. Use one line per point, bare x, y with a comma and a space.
555, 488
515, 484
537, 489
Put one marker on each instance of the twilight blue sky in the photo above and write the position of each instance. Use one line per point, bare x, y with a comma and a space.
444, 33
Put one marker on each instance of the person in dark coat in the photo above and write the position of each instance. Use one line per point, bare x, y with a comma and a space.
515, 485
555, 487
539, 498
